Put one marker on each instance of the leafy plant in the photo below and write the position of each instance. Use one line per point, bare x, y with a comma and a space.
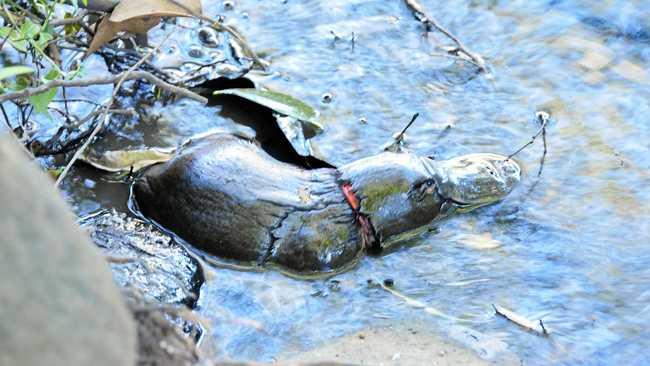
28, 30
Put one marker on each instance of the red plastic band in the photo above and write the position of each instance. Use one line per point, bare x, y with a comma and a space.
368, 235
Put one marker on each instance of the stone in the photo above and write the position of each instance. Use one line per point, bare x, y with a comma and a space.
58, 302
145, 258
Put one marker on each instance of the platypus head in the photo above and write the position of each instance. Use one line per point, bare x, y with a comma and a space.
475, 180
403, 191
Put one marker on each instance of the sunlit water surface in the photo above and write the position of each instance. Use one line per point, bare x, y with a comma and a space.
570, 247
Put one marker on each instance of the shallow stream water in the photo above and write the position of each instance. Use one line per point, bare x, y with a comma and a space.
570, 247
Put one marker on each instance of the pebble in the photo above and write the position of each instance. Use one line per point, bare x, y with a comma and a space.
326, 98
208, 37
89, 183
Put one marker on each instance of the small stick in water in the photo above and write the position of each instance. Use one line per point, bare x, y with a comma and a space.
542, 118
398, 139
520, 320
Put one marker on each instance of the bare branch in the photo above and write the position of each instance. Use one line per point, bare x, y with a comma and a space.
109, 79
73, 20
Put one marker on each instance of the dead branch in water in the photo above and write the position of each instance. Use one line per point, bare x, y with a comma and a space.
542, 118
415, 303
431, 23
520, 320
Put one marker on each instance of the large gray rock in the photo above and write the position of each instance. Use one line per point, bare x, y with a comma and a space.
58, 302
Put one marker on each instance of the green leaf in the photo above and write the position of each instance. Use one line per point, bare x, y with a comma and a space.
22, 82
71, 29
42, 100
11, 71
281, 103
43, 40
29, 29
16, 40
52, 74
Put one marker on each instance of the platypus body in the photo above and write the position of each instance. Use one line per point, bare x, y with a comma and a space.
227, 196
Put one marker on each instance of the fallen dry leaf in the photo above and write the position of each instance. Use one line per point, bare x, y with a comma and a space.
161, 8
107, 30
140, 16
126, 160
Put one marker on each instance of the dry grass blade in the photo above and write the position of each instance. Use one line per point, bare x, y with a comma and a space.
537, 327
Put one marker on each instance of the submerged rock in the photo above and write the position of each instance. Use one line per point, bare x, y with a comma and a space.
145, 258
160, 339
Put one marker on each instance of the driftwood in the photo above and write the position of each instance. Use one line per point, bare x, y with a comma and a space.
521, 321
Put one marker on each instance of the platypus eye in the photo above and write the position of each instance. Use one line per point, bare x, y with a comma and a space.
422, 188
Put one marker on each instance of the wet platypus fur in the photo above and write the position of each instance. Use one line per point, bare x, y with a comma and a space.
225, 195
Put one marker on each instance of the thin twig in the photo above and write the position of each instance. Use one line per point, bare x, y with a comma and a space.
6, 117
73, 20
542, 118
541, 324
80, 150
397, 142
109, 79
401, 134
430, 22
97, 112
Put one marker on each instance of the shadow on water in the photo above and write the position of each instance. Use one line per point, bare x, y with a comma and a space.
573, 251
259, 118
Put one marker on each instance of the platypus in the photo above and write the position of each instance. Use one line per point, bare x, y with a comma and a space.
225, 195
